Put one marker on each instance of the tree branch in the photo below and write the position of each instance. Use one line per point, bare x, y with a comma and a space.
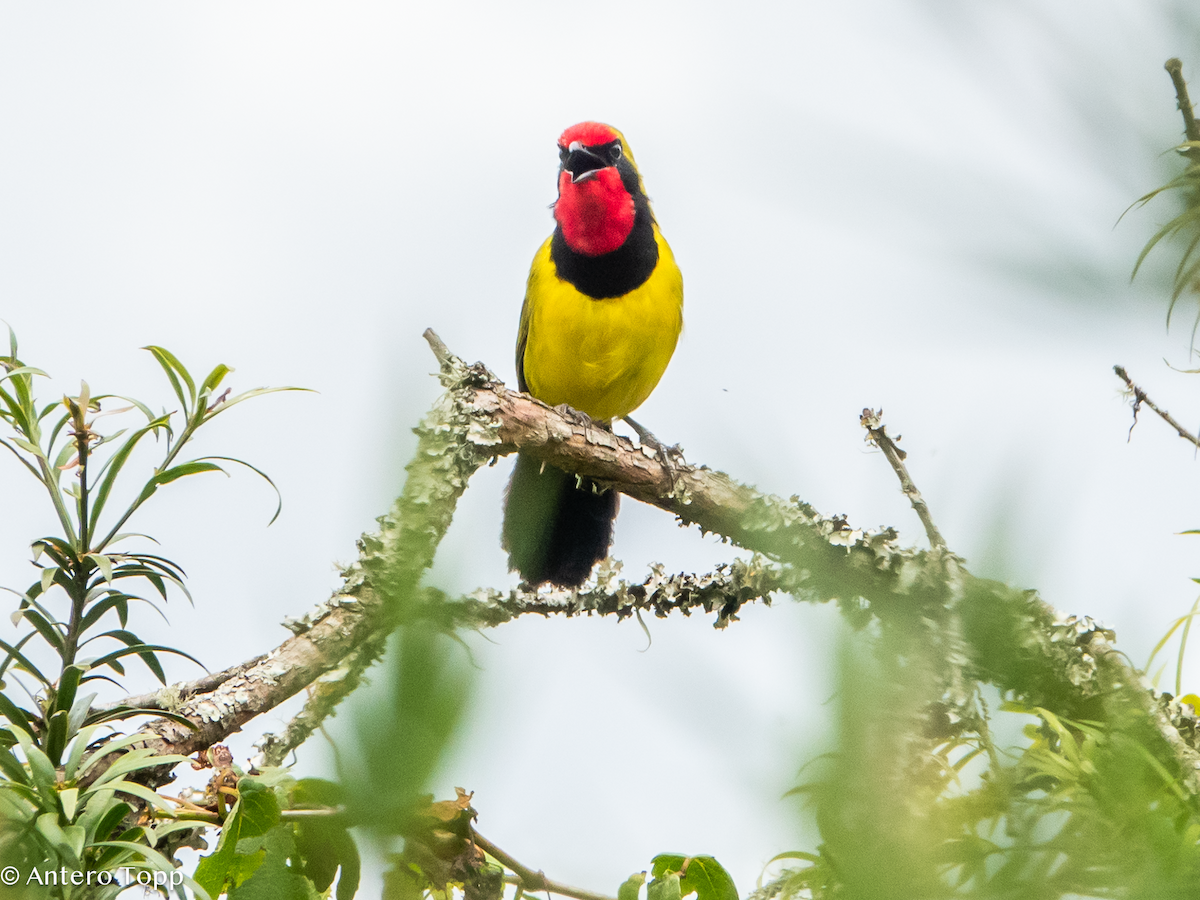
1066, 665
1140, 397
1191, 130
529, 879
170, 698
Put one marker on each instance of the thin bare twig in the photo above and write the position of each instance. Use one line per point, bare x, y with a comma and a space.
531, 880
877, 435
1140, 397
324, 695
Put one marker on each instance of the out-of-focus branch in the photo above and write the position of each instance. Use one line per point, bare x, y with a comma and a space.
324, 695
529, 879
1191, 130
1140, 397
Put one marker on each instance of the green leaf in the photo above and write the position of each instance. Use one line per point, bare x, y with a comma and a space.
254, 814
102, 816
666, 888
120, 713
15, 655
68, 684
104, 564
78, 713
215, 377
169, 828
258, 808
45, 779
56, 548
12, 768
133, 761
156, 862
136, 790
147, 654
113, 468
117, 600
176, 370
700, 874
249, 395
64, 845
78, 748
323, 842
23, 370
265, 477
22, 460
273, 879
68, 798
48, 574
50, 634
173, 474
213, 870
16, 715
631, 887
28, 447
56, 736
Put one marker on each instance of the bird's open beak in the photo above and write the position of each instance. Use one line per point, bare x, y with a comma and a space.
582, 163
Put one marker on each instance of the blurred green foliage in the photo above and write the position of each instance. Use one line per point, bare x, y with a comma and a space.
911, 804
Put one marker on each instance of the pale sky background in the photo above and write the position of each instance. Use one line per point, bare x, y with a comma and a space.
907, 205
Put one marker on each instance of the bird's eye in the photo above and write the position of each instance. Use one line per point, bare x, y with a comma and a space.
614, 152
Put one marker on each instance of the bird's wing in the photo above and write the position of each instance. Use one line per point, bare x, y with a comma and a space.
543, 256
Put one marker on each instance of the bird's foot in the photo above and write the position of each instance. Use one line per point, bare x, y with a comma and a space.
575, 417
665, 454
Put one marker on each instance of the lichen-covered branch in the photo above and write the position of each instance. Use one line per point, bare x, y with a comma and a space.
379, 587
723, 591
324, 695
1008, 637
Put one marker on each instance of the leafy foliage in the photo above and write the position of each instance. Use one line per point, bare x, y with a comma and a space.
66, 797
1080, 808
1184, 228
676, 875
51, 439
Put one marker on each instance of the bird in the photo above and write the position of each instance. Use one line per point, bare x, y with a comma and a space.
603, 312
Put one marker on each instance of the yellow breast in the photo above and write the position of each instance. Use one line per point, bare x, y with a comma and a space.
602, 357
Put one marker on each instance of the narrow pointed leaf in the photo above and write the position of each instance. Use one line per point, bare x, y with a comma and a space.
174, 368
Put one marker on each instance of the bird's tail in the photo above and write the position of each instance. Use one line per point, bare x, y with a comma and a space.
554, 530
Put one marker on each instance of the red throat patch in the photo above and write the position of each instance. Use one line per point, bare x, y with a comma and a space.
596, 214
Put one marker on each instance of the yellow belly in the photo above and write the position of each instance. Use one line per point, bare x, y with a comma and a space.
602, 357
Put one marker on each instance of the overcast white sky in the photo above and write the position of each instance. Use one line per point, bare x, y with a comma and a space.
906, 205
